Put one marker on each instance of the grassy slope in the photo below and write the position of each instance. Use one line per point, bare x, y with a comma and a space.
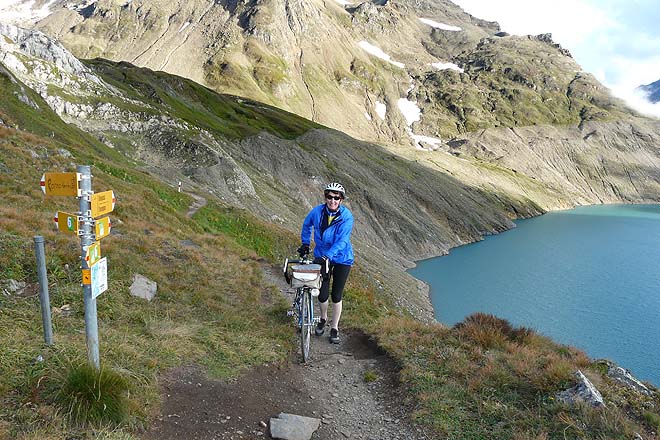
212, 307
482, 380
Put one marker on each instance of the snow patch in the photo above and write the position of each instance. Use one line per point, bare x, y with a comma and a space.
410, 111
443, 26
434, 143
368, 116
377, 52
445, 66
184, 25
343, 2
381, 110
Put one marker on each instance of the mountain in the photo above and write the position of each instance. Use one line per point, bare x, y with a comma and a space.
396, 72
252, 156
652, 91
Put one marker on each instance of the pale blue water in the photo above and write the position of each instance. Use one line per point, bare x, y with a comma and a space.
588, 277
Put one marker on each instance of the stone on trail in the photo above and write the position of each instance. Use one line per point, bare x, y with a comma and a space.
293, 427
143, 287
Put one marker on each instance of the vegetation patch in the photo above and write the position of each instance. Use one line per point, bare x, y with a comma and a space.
87, 395
485, 378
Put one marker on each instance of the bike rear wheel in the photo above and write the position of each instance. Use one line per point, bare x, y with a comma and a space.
306, 313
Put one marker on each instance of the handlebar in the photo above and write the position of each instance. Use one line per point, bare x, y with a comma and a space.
300, 260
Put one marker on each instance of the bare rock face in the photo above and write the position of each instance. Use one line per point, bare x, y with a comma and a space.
623, 376
584, 391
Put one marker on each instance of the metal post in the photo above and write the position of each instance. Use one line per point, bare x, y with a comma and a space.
44, 299
86, 239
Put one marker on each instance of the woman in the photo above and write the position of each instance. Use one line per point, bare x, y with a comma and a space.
332, 224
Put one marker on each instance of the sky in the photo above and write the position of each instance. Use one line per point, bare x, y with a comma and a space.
616, 40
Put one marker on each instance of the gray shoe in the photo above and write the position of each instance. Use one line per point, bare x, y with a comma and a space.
334, 336
320, 328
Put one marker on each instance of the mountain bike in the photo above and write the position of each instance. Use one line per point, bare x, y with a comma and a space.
305, 277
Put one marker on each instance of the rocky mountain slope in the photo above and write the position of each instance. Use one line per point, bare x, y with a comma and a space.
396, 72
410, 204
652, 91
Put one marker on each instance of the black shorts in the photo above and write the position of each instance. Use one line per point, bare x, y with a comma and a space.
338, 275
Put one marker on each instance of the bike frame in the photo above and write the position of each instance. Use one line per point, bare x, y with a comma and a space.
303, 311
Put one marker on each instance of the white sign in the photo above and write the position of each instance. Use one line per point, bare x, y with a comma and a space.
99, 277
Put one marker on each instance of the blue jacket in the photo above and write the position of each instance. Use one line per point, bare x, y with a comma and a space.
332, 241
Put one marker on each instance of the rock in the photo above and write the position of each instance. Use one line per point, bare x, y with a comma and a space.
13, 287
293, 427
65, 310
143, 287
624, 377
584, 391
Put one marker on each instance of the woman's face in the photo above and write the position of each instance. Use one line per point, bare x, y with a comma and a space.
332, 200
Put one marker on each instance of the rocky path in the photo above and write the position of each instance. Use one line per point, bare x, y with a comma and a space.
196, 205
350, 387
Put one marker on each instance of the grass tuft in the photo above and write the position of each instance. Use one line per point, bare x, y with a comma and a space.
94, 397
489, 331
370, 376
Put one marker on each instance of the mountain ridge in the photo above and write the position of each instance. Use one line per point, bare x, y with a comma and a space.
309, 58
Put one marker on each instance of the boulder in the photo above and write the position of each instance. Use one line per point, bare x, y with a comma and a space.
143, 287
584, 391
293, 427
624, 377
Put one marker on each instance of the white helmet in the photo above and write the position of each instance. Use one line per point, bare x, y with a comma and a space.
335, 187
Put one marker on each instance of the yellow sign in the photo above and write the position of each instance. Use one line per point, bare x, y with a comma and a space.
66, 222
102, 227
93, 253
102, 203
60, 184
86, 276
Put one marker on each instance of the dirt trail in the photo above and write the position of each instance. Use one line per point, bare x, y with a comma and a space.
196, 205
330, 387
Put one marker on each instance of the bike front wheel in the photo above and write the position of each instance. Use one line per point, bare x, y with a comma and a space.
307, 323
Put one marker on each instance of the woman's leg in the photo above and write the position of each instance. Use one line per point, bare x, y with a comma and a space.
339, 276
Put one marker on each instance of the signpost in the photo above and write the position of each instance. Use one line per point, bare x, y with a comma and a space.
99, 277
60, 184
93, 253
67, 222
83, 224
102, 228
102, 203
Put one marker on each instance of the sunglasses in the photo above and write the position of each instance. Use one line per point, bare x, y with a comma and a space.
329, 197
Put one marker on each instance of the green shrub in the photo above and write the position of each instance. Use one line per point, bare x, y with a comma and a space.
653, 420
370, 376
93, 397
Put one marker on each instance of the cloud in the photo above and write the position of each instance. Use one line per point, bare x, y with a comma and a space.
570, 21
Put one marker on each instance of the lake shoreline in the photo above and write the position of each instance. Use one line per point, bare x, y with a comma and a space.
632, 210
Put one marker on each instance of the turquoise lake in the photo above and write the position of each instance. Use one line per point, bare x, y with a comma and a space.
587, 277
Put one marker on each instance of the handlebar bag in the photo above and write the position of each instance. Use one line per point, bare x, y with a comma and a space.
306, 275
